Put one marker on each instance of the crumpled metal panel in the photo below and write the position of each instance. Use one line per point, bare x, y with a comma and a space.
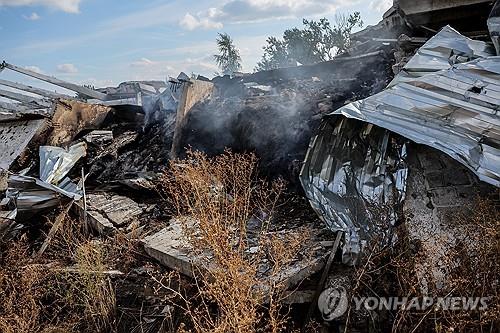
448, 47
494, 26
351, 169
454, 111
33, 195
447, 97
56, 162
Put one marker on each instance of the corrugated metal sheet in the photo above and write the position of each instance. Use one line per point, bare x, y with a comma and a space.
446, 48
454, 111
447, 97
56, 162
494, 26
351, 168
32, 195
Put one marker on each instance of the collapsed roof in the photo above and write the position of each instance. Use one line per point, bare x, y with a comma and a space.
446, 97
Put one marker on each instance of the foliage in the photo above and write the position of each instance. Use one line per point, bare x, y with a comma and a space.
226, 212
471, 258
317, 41
228, 59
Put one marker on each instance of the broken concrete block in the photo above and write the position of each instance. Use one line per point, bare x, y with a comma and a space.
120, 210
170, 248
96, 220
107, 212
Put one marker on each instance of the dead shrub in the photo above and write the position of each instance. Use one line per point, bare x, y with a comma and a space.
226, 213
28, 294
472, 261
20, 291
41, 296
66, 240
90, 289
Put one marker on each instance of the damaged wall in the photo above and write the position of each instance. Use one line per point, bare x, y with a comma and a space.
193, 92
438, 189
72, 117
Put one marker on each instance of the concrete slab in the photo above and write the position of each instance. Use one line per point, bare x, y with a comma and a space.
169, 247
107, 212
120, 210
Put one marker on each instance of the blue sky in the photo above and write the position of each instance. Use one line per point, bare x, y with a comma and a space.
105, 42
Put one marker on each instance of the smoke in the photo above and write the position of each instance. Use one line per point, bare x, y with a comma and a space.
275, 114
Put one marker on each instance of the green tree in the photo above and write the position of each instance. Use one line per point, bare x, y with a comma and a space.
317, 41
228, 59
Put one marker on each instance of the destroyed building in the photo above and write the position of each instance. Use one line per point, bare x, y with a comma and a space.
406, 120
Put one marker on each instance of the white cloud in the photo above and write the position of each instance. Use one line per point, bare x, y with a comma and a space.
381, 6
143, 62
67, 68
146, 69
34, 69
68, 6
190, 22
33, 17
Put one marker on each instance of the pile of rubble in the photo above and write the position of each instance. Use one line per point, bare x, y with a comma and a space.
410, 123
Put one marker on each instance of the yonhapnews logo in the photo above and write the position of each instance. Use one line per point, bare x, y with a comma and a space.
333, 303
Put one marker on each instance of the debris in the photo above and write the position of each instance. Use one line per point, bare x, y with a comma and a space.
494, 26
106, 213
120, 210
70, 86
170, 248
447, 48
57, 224
452, 110
99, 137
278, 124
9, 228
55, 162
445, 99
72, 117
324, 275
193, 93
372, 151
351, 166
94, 219
81, 271
15, 137
31, 195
